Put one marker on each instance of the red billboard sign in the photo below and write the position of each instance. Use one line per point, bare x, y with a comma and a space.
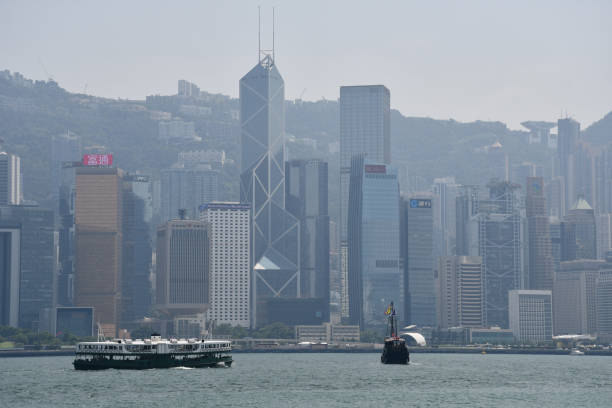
97, 160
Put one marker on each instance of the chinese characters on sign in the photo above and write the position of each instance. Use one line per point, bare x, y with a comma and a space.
98, 160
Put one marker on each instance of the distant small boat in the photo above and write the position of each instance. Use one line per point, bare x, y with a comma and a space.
395, 350
576, 352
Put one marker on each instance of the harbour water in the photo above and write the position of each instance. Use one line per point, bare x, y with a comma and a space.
318, 380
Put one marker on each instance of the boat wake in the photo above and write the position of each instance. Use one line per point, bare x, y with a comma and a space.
184, 368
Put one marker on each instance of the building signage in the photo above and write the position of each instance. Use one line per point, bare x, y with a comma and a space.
376, 168
420, 203
97, 160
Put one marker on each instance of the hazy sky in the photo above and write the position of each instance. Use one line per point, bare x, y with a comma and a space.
467, 60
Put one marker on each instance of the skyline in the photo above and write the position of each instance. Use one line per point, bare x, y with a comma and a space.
516, 72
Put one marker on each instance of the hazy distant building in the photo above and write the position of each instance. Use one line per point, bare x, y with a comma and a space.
38, 248
531, 315
375, 277
183, 267
416, 231
364, 129
460, 292
541, 266
575, 297
230, 267
445, 192
10, 261
496, 234
604, 305
99, 215
275, 233
187, 188
568, 136
65, 149
186, 88
10, 179
137, 248
306, 198
579, 232
604, 234
177, 130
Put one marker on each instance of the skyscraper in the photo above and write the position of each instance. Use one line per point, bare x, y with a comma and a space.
137, 248
575, 297
306, 198
38, 246
230, 267
99, 243
540, 250
531, 315
495, 233
568, 135
10, 179
445, 195
375, 278
183, 268
364, 129
275, 232
10, 259
579, 232
187, 188
417, 255
460, 292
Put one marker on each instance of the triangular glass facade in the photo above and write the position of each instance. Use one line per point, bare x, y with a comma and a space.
275, 232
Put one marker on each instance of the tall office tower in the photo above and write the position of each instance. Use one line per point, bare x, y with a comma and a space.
445, 196
65, 149
38, 260
183, 267
604, 234
497, 162
466, 208
575, 297
416, 250
306, 198
531, 315
10, 179
275, 233
500, 236
375, 275
10, 257
66, 243
460, 292
137, 249
555, 197
603, 180
568, 135
555, 228
541, 266
187, 188
579, 232
230, 267
365, 113
99, 239
585, 173
604, 305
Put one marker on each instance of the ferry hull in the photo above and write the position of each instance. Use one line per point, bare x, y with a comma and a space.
150, 362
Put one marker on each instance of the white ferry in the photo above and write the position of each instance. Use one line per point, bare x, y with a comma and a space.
152, 353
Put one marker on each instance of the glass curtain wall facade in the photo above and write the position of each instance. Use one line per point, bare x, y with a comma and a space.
275, 232
375, 277
306, 199
364, 129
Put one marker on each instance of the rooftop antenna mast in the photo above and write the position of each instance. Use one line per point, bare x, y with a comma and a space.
273, 34
259, 34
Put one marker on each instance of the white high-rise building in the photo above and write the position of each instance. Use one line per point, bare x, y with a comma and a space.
10, 179
229, 262
531, 315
